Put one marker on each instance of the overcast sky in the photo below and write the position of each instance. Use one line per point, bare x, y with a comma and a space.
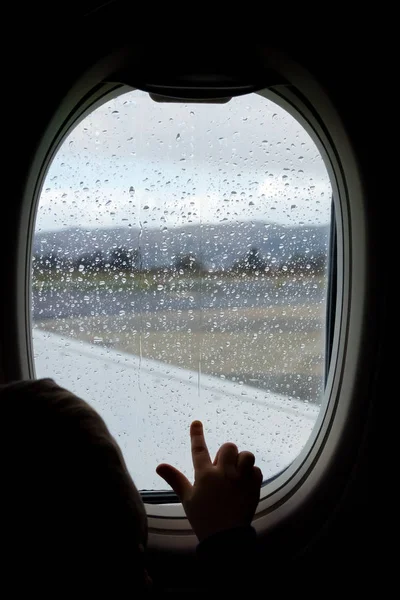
136, 162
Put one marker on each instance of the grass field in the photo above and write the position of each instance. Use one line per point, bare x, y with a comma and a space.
123, 280
279, 348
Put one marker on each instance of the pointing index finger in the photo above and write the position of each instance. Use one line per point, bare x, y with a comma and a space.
200, 454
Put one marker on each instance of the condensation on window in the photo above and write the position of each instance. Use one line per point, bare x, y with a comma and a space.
179, 272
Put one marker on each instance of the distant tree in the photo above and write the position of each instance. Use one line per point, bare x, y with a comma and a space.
296, 264
91, 261
36, 260
46, 262
125, 259
318, 262
252, 261
301, 263
188, 263
137, 259
98, 260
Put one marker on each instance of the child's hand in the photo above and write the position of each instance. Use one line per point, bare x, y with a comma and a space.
225, 493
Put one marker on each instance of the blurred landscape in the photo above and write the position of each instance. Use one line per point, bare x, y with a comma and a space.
243, 301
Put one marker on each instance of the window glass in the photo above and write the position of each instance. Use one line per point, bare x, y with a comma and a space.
179, 272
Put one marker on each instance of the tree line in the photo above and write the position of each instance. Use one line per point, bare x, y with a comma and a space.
126, 260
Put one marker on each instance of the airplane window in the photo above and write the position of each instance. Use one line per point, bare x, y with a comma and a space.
180, 271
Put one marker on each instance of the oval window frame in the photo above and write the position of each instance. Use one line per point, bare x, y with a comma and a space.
168, 528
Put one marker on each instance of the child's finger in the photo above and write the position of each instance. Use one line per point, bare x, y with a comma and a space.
200, 455
179, 483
